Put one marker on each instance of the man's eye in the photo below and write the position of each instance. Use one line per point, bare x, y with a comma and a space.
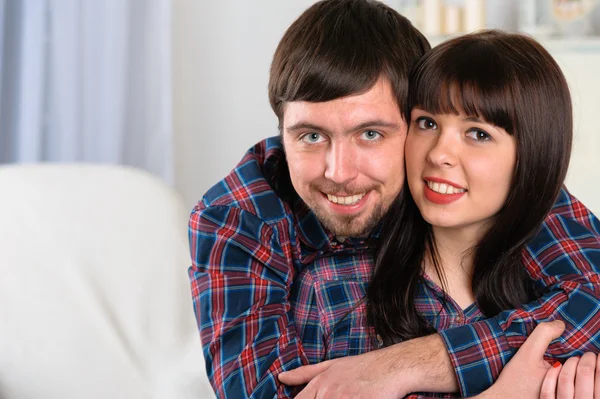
312, 138
426, 123
371, 135
478, 135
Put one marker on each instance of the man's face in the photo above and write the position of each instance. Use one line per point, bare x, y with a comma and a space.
346, 157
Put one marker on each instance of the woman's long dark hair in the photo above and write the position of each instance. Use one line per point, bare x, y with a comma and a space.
510, 81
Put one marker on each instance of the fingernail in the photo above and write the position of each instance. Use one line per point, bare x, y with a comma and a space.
556, 364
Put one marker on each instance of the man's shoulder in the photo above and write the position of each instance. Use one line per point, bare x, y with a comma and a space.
569, 227
251, 185
572, 212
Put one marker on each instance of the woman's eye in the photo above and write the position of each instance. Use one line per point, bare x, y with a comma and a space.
371, 135
312, 138
479, 135
426, 123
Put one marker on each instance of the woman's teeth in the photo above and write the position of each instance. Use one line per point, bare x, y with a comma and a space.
444, 188
351, 200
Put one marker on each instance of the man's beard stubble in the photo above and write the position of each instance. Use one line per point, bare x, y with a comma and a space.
347, 226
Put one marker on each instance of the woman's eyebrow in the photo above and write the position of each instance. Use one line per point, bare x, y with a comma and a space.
474, 119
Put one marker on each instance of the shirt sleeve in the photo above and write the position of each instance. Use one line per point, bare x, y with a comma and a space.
240, 281
564, 260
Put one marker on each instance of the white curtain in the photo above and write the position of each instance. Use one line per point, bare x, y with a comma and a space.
86, 81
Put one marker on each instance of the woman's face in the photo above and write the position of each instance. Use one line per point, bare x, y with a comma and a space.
459, 168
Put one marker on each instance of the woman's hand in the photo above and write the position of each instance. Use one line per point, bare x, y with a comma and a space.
578, 378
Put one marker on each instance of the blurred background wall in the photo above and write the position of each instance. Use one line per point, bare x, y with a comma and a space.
222, 52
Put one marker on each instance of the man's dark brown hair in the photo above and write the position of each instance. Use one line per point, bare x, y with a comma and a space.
341, 47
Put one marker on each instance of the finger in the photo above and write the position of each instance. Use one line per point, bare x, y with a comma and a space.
536, 344
584, 379
550, 381
597, 379
566, 379
303, 375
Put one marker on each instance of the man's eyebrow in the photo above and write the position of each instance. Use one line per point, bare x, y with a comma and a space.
304, 126
375, 123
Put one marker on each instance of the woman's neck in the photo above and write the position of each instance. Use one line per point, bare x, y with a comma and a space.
455, 246
455, 250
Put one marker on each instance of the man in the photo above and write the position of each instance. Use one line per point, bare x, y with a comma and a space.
282, 247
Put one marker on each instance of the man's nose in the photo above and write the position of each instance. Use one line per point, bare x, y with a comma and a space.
341, 163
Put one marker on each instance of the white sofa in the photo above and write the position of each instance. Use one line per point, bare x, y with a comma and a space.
94, 296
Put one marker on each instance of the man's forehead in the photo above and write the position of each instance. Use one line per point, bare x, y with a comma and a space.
380, 91
377, 106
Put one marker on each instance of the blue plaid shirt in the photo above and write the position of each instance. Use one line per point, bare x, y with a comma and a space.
273, 290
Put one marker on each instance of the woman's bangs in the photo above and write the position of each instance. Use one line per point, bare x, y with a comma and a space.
483, 89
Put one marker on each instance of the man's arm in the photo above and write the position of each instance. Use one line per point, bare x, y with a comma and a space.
526, 376
418, 365
240, 280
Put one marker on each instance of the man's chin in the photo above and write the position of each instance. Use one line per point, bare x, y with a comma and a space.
349, 232
354, 228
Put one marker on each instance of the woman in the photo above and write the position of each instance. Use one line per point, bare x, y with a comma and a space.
486, 157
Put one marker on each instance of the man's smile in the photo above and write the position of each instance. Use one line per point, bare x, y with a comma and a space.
345, 200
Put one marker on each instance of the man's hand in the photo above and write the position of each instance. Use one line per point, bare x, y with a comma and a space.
522, 377
420, 364
352, 377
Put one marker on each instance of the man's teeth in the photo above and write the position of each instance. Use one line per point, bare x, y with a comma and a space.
444, 188
351, 200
